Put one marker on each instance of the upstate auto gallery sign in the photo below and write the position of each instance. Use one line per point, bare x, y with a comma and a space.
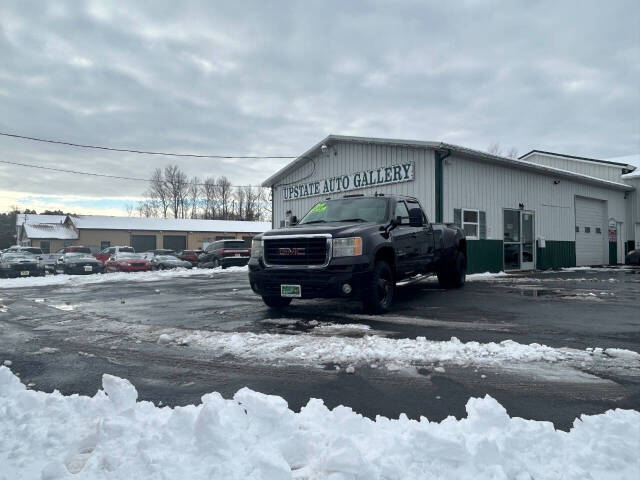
403, 172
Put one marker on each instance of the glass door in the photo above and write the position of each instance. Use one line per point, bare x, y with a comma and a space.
519, 244
526, 222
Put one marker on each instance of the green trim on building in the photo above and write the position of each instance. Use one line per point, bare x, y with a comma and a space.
484, 256
556, 254
613, 253
438, 186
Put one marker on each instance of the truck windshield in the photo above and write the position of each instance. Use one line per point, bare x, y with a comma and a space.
365, 209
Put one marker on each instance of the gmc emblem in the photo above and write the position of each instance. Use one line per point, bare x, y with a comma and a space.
291, 251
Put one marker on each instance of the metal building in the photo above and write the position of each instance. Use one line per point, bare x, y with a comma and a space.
543, 210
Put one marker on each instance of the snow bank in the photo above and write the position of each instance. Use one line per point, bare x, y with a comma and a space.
256, 436
486, 276
313, 349
152, 276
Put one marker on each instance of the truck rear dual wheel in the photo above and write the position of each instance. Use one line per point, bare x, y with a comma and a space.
276, 302
378, 295
454, 271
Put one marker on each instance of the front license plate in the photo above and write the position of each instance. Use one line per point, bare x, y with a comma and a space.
88, 268
294, 291
237, 254
24, 273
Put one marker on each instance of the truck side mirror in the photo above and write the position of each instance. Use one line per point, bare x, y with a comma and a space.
415, 218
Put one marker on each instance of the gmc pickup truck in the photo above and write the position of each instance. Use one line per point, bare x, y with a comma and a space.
355, 247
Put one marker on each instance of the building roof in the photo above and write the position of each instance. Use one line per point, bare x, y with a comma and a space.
617, 163
477, 154
56, 231
631, 160
33, 218
101, 222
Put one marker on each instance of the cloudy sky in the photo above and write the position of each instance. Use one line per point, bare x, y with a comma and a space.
273, 78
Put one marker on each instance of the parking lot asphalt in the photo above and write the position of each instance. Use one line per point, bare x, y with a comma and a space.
65, 337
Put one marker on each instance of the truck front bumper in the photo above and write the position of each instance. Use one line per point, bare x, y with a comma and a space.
326, 282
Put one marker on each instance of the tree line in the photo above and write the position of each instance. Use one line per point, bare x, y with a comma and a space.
171, 194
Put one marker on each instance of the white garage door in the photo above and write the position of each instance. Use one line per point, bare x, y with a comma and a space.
590, 231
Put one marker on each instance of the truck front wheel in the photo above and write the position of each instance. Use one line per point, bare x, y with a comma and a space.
276, 302
453, 272
377, 298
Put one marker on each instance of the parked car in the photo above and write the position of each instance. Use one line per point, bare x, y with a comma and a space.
356, 247
225, 253
20, 248
164, 262
149, 254
49, 260
127, 262
190, 256
20, 264
78, 263
633, 257
104, 255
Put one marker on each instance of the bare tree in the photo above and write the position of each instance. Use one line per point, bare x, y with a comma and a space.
224, 194
158, 191
494, 149
209, 193
177, 187
194, 196
147, 208
512, 153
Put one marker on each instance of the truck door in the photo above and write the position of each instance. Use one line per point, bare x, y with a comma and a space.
424, 237
404, 239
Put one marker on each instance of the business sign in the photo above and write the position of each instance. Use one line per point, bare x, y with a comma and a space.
403, 172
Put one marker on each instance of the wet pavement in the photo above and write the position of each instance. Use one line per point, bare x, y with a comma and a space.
64, 337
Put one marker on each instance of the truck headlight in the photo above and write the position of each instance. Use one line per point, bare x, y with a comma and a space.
256, 248
347, 247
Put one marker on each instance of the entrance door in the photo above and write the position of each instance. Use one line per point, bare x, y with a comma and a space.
519, 244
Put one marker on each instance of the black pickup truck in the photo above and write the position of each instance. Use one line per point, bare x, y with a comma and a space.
355, 247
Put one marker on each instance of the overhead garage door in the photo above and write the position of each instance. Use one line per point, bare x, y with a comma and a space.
590, 231
174, 242
143, 243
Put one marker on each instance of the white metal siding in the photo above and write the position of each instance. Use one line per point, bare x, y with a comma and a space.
585, 167
483, 186
345, 158
590, 247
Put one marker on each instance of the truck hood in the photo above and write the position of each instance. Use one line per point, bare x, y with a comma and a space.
336, 229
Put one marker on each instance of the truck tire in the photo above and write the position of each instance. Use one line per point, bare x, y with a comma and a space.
378, 295
453, 272
276, 302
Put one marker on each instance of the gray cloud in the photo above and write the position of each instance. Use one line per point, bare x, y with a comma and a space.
275, 77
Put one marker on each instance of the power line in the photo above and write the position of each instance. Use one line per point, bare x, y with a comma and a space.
103, 175
143, 152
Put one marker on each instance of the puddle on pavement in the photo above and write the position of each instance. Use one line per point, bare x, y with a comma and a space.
533, 291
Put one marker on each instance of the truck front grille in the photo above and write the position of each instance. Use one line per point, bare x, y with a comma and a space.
296, 251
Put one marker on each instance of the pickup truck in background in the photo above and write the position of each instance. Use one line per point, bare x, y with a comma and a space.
356, 247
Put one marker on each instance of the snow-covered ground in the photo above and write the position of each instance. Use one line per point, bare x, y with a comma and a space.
75, 280
255, 436
316, 348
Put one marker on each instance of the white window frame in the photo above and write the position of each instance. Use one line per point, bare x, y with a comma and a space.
476, 223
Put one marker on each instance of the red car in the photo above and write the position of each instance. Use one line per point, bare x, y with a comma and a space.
105, 254
190, 256
127, 262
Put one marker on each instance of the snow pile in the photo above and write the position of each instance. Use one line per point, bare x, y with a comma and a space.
151, 276
486, 276
256, 436
318, 350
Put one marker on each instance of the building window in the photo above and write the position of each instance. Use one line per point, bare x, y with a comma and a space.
598, 230
68, 243
471, 223
45, 246
577, 229
587, 229
105, 244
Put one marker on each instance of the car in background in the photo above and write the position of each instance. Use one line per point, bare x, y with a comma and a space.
20, 264
20, 248
149, 254
633, 258
165, 262
106, 253
127, 262
190, 256
49, 260
225, 253
78, 263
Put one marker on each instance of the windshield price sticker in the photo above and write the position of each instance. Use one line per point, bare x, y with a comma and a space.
403, 172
